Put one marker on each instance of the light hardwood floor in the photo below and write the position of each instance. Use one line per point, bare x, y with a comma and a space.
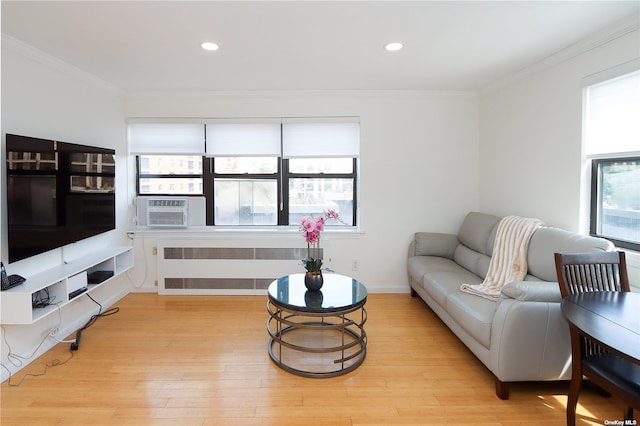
196, 360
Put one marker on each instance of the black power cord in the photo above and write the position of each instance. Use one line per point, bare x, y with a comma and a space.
76, 344
18, 361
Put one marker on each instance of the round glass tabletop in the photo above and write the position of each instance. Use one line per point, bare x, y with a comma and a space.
338, 292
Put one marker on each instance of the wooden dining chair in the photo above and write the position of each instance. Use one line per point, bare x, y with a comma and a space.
597, 271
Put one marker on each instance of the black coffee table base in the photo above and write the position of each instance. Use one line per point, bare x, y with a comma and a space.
317, 344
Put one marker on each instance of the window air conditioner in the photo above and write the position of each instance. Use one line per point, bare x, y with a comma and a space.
169, 212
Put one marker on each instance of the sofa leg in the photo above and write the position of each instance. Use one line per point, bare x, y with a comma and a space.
413, 292
502, 389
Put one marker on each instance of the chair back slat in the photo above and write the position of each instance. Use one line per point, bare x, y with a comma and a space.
593, 277
596, 271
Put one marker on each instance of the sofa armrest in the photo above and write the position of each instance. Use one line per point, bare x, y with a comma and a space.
529, 341
434, 244
532, 291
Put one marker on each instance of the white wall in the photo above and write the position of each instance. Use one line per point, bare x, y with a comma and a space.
419, 163
42, 101
531, 141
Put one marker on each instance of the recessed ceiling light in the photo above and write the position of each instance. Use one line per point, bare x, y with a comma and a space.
393, 47
210, 46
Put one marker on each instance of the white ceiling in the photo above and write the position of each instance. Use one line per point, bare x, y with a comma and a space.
306, 45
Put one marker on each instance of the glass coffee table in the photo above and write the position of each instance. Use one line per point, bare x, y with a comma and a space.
317, 333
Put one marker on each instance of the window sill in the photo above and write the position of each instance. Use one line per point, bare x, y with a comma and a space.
237, 231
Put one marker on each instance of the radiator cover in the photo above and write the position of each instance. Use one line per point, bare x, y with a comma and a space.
224, 267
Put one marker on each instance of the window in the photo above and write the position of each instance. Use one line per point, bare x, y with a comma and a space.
616, 200
169, 157
169, 174
320, 184
245, 190
262, 173
612, 135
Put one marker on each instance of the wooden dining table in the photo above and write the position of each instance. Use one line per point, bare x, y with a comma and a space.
612, 318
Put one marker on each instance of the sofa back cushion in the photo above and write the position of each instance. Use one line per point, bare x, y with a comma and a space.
472, 261
546, 241
478, 232
476, 235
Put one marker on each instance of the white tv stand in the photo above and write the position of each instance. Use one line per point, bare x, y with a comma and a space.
16, 302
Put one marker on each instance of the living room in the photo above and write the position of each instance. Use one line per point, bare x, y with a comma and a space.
511, 145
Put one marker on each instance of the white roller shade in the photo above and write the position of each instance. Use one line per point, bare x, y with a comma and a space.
320, 139
612, 122
166, 138
243, 139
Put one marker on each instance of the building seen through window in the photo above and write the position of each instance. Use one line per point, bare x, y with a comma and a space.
169, 175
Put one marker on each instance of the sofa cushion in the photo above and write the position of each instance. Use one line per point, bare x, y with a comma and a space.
546, 241
435, 244
476, 231
471, 260
419, 265
474, 314
441, 284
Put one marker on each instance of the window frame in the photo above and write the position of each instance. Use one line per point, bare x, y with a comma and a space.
210, 175
289, 175
595, 193
282, 177
140, 176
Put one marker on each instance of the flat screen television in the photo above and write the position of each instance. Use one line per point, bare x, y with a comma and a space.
57, 193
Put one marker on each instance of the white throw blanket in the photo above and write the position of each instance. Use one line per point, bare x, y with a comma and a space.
509, 260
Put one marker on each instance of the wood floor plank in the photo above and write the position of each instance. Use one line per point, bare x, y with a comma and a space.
202, 360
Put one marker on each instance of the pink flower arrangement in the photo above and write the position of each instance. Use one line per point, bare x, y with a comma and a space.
311, 228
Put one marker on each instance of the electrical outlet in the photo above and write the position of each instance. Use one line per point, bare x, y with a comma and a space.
53, 332
355, 264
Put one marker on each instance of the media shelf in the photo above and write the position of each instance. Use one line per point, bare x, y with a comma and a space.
60, 281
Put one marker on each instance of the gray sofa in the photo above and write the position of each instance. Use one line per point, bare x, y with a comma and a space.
522, 336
